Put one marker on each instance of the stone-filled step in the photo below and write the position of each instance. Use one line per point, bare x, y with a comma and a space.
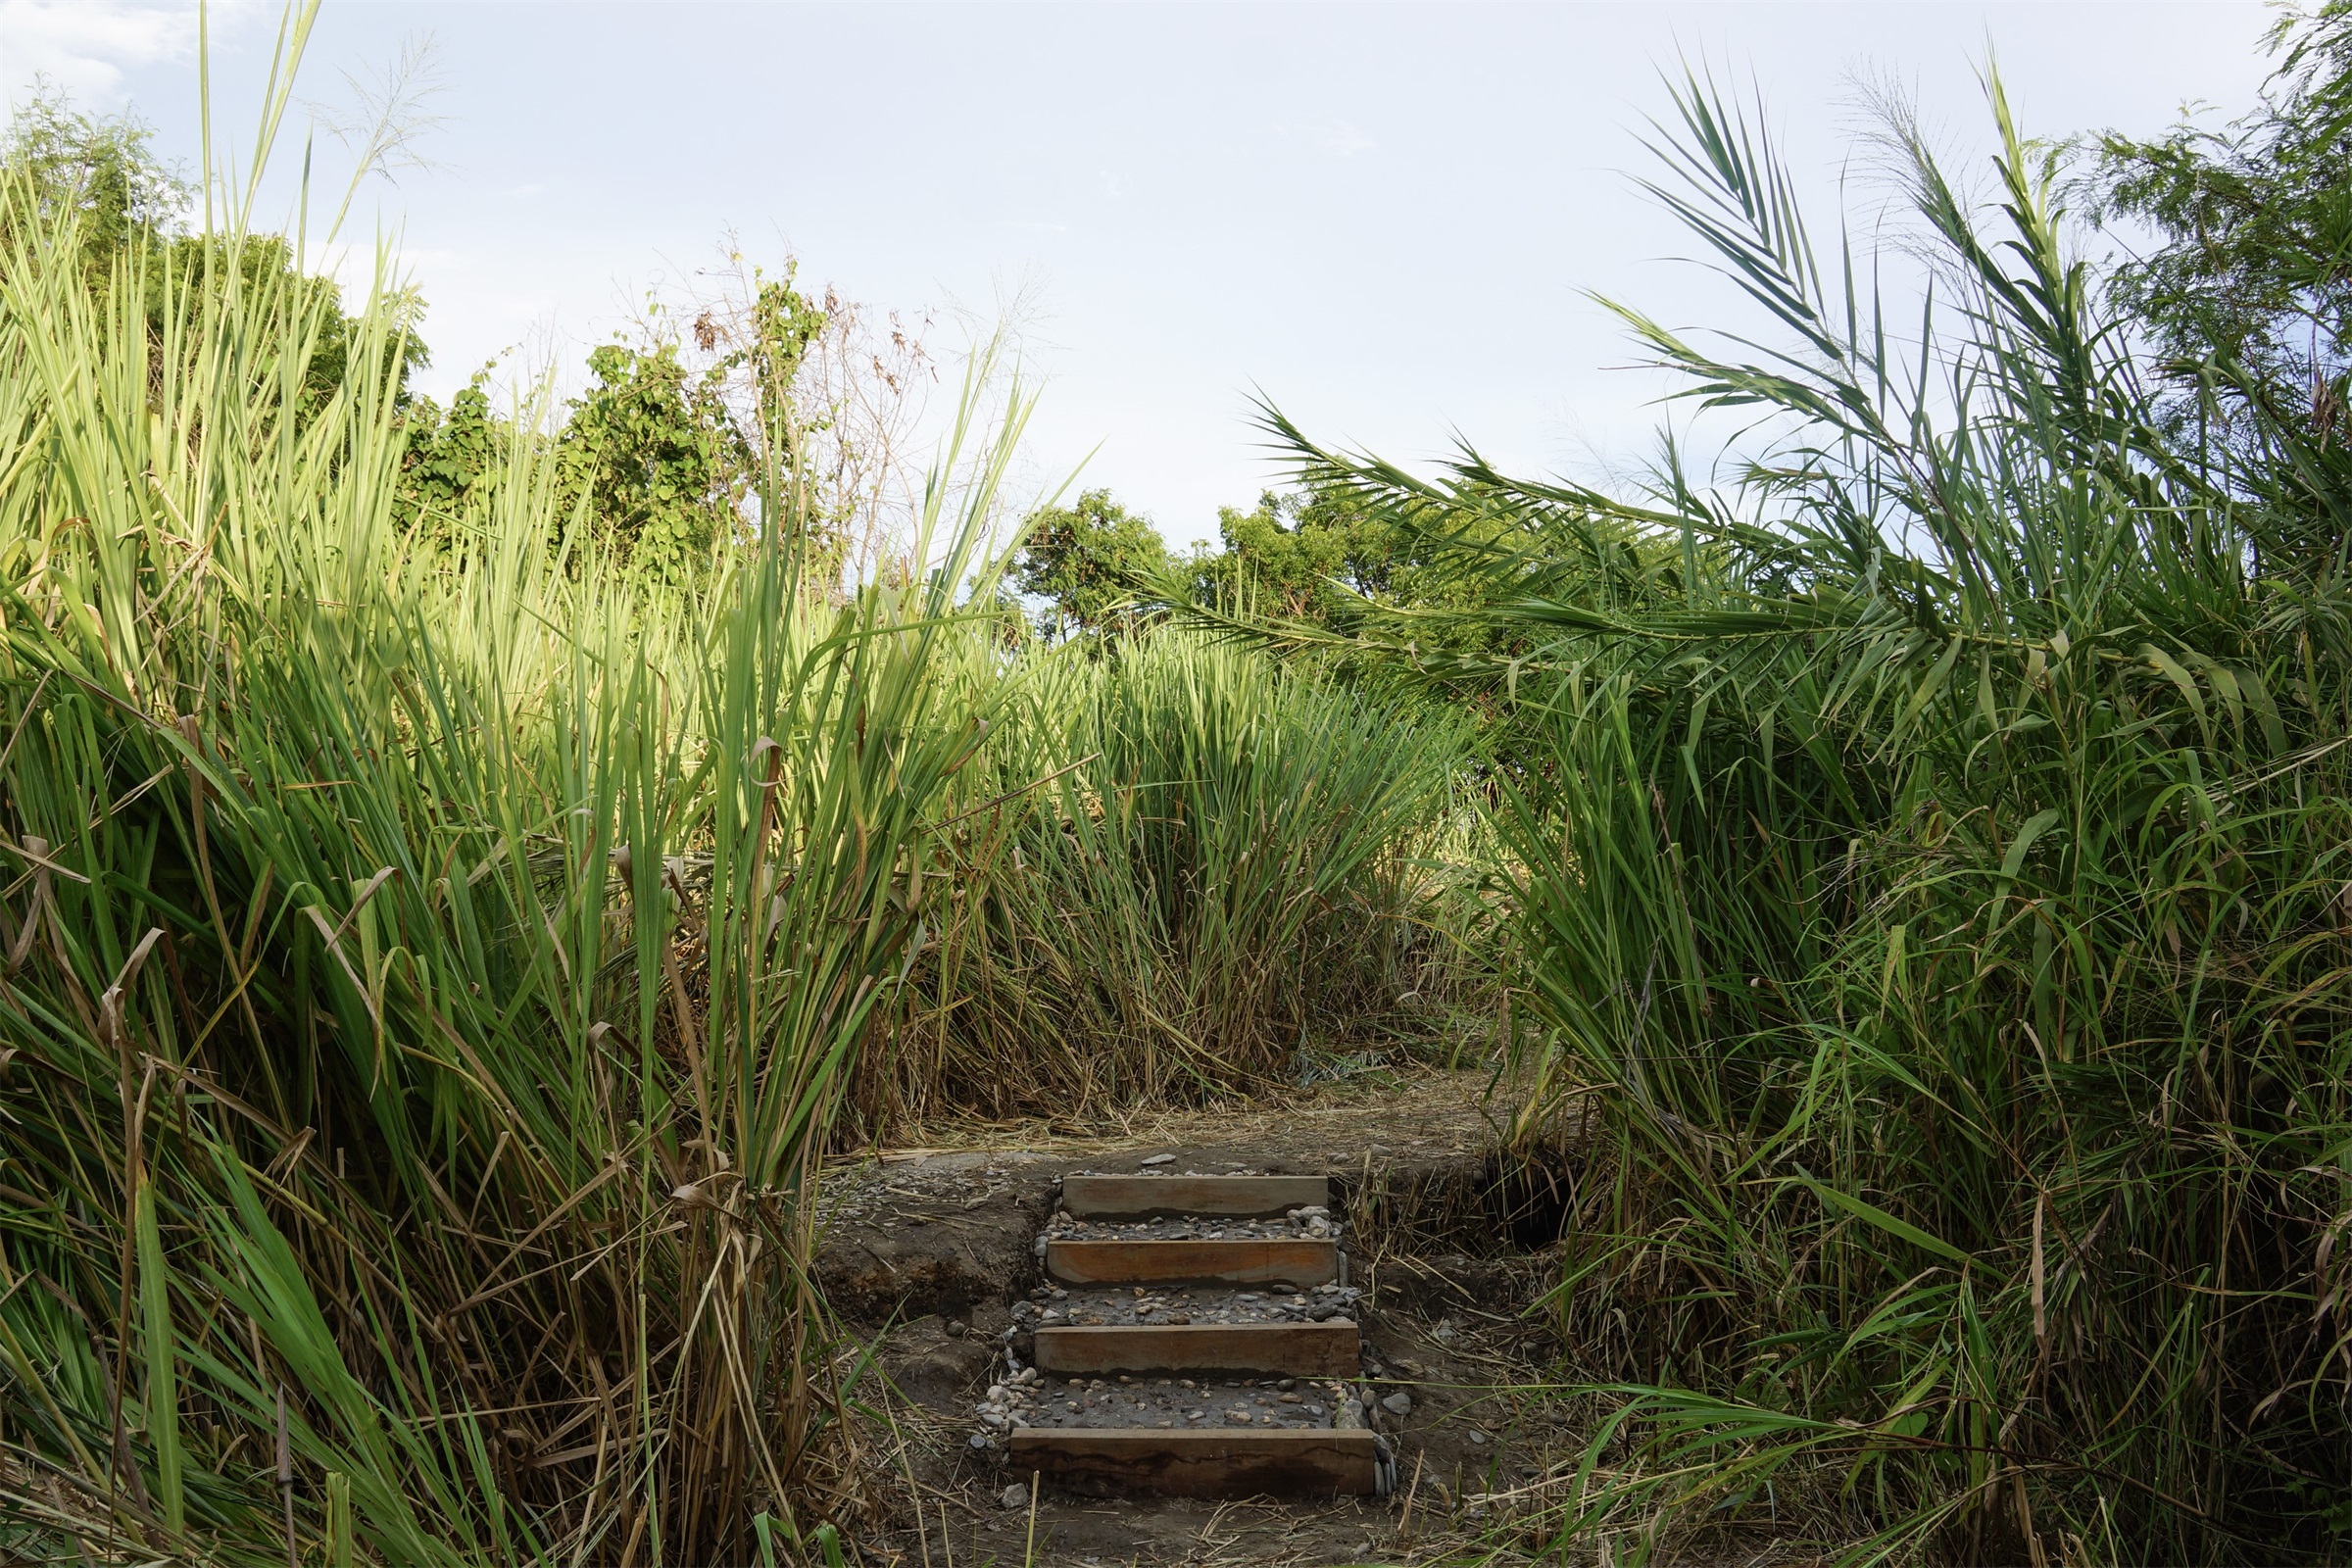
1298, 1262
1186, 1228
1160, 1306
1330, 1349
1108, 1407
1178, 1404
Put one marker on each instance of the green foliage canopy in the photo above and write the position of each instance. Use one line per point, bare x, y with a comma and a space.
661, 463
2254, 219
102, 170
1086, 560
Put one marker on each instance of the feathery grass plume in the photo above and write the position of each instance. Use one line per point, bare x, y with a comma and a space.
1933, 858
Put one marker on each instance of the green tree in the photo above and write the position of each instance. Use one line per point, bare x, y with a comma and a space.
1087, 560
2254, 221
453, 458
101, 170
657, 454
99, 178
1324, 556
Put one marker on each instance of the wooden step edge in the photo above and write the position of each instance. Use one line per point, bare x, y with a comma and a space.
1327, 1350
1296, 1261
1144, 1196
1126, 1460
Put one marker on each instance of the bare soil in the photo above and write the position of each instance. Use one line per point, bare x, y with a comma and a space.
929, 1248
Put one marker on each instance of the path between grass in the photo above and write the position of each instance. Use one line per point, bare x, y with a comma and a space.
927, 1246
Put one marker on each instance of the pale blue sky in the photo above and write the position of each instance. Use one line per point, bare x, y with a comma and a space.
1386, 216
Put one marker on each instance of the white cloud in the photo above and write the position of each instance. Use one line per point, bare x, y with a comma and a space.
1342, 138
86, 45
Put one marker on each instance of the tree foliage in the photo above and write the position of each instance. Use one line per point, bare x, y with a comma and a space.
101, 170
659, 461
2254, 222
96, 182
1086, 561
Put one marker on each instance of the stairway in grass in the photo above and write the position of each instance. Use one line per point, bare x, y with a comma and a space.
1171, 1361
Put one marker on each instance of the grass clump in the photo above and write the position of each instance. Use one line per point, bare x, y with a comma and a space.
433, 969
1931, 846
439, 957
1204, 873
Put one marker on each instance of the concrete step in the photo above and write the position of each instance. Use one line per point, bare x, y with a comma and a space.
1331, 1350
1137, 1197
1296, 1261
1120, 1461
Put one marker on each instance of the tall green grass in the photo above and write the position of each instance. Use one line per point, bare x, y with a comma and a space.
432, 973
1205, 874
1932, 845
436, 966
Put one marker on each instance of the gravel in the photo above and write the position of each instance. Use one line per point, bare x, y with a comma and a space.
1051, 1306
1165, 1160
1194, 1404
1314, 1224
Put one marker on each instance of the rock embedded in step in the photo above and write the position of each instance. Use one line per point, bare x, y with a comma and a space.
1156, 1159
1349, 1419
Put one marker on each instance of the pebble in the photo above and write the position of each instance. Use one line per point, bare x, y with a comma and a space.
1157, 1159
1478, 1437
1015, 1495
1398, 1403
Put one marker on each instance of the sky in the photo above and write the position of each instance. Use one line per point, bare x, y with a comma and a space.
1390, 220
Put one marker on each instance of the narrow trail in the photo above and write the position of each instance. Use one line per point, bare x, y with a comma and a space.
1291, 1334
1220, 1305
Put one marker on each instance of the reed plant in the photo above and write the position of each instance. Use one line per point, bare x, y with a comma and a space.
437, 963
1929, 842
1207, 875
432, 969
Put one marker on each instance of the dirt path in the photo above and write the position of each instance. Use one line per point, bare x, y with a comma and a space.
933, 1245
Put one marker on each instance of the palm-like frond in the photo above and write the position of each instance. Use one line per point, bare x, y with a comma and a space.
1932, 843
